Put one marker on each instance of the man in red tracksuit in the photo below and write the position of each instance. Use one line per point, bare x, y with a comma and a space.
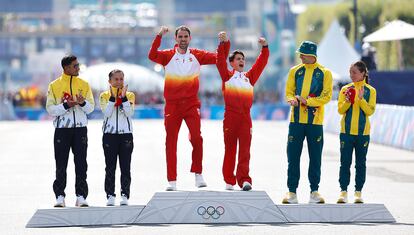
238, 98
182, 69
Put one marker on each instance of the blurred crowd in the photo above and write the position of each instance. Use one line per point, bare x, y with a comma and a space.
33, 97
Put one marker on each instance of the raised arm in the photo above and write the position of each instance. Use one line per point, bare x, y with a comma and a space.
222, 53
254, 73
160, 57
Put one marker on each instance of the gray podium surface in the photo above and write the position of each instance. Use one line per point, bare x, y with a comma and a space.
337, 213
86, 216
212, 207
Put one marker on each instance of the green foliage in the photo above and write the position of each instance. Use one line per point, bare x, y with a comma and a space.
372, 15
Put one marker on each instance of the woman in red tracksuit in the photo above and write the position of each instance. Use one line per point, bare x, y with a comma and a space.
238, 98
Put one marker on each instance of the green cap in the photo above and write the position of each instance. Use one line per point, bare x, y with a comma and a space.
307, 48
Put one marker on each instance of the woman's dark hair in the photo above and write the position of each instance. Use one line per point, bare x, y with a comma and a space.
115, 71
67, 60
362, 67
234, 53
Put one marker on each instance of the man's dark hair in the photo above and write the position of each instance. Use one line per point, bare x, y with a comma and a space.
234, 53
183, 28
67, 60
115, 71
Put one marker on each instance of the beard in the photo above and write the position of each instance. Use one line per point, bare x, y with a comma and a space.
183, 46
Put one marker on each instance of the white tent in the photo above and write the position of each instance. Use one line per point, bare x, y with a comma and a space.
137, 77
336, 53
394, 30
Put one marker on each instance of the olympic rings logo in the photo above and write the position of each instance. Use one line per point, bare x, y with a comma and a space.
210, 212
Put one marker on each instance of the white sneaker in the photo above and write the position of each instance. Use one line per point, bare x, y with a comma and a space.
247, 186
111, 200
199, 181
290, 198
81, 202
124, 200
172, 187
60, 201
315, 197
229, 187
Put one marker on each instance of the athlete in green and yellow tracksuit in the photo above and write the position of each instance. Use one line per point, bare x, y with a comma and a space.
355, 128
308, 89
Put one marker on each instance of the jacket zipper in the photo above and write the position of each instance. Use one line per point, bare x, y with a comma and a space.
74, 118
58, 120
117, 108
106, 122
129, 126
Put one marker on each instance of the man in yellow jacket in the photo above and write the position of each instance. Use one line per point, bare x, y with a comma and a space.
69, 100
308, 89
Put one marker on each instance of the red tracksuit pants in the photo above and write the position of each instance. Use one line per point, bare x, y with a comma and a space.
237, 128
174, 114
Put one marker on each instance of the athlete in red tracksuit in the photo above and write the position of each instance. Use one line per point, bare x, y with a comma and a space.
238, 98
182, 69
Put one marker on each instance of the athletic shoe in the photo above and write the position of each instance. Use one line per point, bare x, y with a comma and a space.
290, 198
315, 197
358, 197
199, 181
60, 201
343, 197
172, 186
124, 200
247, 186
111, 200
81, 202
229, 187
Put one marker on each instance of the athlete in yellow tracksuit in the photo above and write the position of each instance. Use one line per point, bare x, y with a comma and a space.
356, 102
308, 89
69, 100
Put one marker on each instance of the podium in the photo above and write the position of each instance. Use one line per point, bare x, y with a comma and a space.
211, 207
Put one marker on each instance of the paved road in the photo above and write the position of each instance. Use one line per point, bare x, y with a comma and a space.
27, 171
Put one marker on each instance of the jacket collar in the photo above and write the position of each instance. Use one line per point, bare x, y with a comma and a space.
360, 83
67, 77
311, 66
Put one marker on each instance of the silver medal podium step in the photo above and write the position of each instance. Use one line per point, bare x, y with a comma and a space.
211, 207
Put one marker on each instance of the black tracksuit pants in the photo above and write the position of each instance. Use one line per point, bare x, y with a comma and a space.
64, 140
115, 145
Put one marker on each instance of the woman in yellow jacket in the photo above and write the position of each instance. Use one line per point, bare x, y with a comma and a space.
117, 105
356, 103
